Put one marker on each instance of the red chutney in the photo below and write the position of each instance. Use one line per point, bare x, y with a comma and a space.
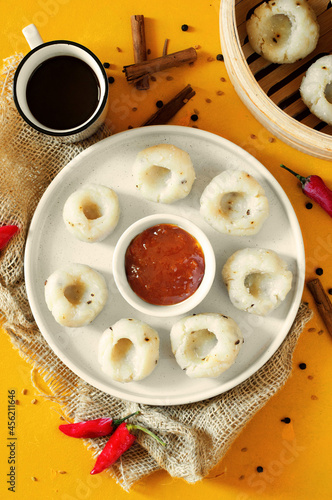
164, 264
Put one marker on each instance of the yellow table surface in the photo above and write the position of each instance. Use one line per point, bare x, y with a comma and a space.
296, 457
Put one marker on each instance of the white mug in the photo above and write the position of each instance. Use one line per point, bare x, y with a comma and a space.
40, 52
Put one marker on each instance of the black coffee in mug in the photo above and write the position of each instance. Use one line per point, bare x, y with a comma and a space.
63, 92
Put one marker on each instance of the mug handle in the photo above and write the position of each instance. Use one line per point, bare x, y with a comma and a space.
32, 36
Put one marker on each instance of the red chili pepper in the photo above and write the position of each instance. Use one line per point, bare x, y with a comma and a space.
315, 188
92, 428
119, 442
6, 233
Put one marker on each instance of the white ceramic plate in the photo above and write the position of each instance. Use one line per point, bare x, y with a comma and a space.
50, 246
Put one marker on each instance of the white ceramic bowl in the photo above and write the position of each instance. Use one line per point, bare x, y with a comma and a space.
119, 272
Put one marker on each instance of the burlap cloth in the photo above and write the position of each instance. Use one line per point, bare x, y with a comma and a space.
198, 434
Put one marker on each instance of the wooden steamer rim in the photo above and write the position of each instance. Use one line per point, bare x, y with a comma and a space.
277, 121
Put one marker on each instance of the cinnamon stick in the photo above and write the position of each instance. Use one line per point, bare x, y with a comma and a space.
322, 301
138, 34
164, 114
136, 71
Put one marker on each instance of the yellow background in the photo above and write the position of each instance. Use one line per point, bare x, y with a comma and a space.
296, 457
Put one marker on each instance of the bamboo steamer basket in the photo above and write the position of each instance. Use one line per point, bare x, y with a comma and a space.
271, 91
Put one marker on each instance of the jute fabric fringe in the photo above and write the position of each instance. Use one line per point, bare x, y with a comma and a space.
198, 434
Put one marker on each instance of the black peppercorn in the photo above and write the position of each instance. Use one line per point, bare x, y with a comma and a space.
106, 65
302, 366
286, 420
319, 271
159, 104
184, 27
259, 468
194, 118
110, 79
220, 57
309, 205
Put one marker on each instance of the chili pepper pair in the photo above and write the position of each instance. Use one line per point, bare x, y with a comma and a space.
119, 442
315, 188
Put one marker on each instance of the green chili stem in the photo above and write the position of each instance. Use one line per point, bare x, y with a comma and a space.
119, 421
139, 427
300, 177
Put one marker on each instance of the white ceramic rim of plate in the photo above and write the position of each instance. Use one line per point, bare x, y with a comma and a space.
261, 360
